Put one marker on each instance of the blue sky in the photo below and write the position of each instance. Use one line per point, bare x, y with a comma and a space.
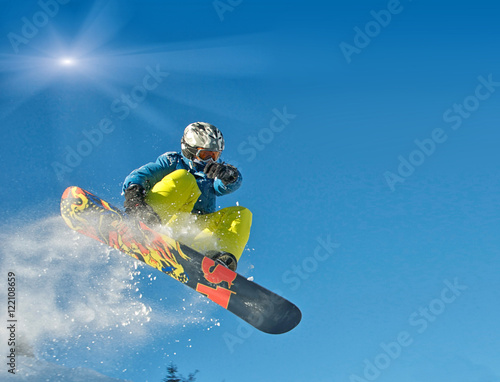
367, 136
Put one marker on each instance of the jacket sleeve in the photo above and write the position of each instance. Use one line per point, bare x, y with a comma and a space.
150, 174
221, 189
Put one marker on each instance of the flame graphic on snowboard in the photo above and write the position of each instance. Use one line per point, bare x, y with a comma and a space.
110, 226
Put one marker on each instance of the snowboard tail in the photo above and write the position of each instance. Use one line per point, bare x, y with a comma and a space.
91, 216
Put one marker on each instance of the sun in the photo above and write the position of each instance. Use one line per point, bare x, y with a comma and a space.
67, 61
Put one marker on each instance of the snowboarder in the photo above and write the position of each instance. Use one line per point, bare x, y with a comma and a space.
181, 188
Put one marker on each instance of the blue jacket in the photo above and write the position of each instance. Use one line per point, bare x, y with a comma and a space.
150, 174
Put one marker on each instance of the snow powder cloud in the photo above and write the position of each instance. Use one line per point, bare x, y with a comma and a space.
73, 291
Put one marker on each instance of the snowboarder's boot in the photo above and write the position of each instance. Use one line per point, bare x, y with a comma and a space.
224, 258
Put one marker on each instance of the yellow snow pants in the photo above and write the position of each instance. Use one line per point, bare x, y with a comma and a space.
173, 199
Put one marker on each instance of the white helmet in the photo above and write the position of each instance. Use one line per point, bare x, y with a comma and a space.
201, 135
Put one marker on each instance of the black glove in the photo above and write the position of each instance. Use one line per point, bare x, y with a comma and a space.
136, 206
225, 172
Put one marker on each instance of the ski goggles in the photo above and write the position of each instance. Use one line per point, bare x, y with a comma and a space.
205, 155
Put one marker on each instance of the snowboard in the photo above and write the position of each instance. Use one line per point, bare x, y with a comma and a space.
91, 216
